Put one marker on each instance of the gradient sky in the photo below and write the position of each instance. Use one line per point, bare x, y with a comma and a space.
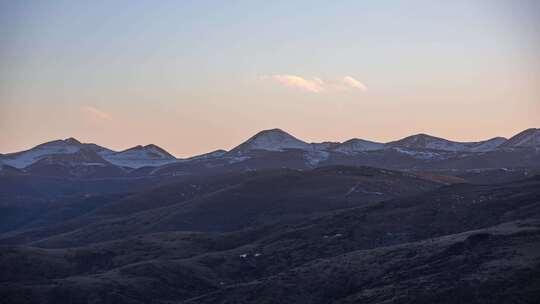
195, 76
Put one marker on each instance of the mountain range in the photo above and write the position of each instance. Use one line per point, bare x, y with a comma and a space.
275, 219
71, 157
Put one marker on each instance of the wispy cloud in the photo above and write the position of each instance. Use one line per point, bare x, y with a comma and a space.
95, 113
293, 81
353, 83
317, 85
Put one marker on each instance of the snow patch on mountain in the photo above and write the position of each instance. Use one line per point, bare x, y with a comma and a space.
356, 145
327, 145
209, 155
487, 145
25, 158
424, 141
418, 154
527, 138
428, 142
139, 156
272, 140
314, 158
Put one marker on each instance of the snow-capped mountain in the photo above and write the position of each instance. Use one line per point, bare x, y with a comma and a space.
274, 149
357, 145
486, 145
271, 140
209, 155
139, 156
424, 141
28, 157
326, 145
85, 163
70, 152
527, 138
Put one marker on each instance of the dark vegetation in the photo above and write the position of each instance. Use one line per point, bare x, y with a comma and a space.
338, 234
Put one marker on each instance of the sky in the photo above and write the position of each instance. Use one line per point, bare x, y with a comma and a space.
196, 76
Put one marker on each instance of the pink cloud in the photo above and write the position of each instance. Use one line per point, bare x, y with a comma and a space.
293, 81
317, 85
353, 83
95, 113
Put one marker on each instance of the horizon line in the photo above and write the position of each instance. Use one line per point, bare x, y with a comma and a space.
270, 129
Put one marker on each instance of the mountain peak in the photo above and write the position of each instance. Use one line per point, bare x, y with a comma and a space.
271, 132
62, 142
134, 148
141, 156
526, 138
209, 155
151, 150
419, 141
72, 141
358, 145
56, 147
426, 141
272, 140
422, 136
158, 150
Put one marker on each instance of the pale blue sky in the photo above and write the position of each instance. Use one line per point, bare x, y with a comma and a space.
192, 76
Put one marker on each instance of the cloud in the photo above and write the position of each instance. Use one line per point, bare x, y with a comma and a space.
353, 83
293, 81
95, 113
317, 85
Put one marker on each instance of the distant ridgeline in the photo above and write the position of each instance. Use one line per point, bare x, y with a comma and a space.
276, 149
